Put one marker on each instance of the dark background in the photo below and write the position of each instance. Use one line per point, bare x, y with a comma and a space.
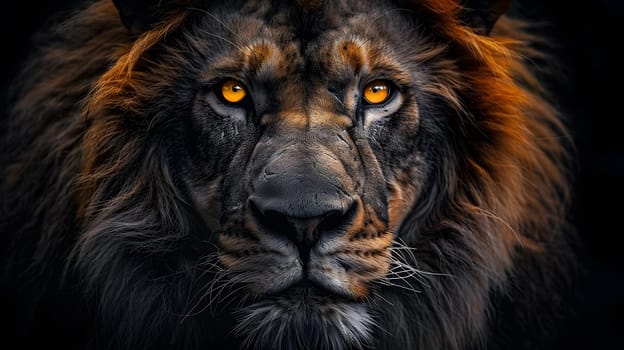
586, 38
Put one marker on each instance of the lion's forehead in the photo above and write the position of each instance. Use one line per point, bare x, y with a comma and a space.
304, 71
350, 47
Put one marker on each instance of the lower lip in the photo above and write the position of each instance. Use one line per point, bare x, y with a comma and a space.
306, 288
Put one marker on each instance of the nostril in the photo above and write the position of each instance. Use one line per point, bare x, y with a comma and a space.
271, 220
337, 220
330, 221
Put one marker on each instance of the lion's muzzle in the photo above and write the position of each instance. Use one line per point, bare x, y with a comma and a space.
306, 220
303, 198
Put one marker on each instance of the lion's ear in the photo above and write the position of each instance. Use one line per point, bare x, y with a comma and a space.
483, 14
139, 15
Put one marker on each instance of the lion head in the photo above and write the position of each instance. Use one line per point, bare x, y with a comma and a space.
284, 175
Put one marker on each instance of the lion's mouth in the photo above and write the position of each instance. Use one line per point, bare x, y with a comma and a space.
306, 289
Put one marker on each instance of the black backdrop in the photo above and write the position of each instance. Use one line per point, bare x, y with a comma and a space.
586, 37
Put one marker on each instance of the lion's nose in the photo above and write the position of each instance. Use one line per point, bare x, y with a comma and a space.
302, 202
330, 216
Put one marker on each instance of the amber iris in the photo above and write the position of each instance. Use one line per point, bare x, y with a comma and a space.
233, 91
376, 92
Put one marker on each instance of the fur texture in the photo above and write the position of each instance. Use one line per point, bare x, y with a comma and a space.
126, 187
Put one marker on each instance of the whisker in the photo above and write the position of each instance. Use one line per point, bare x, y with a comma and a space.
390, 284
203, 292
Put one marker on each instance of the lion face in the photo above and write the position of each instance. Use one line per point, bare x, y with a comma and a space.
305, 190
315, 137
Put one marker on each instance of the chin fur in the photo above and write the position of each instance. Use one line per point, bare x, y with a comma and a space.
304, 322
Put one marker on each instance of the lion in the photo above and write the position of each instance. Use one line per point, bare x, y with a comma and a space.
312, 174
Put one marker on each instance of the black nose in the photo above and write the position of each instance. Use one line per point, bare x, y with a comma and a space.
329, 217
301, 202
282, 219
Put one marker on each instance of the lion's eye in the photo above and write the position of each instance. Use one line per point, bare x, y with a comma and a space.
376, 92
233, 91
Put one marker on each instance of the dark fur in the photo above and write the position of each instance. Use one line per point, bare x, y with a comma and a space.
105, 243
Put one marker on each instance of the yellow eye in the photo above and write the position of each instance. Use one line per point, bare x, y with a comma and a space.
233, 91
376, 92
